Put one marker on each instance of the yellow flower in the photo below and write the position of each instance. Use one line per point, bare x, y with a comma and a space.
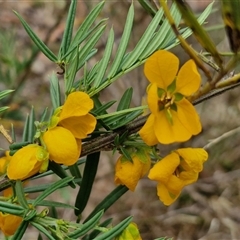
128, 173
8, 222
173, 118
176, 170
4, 161
130, 233
27, 161
71, 123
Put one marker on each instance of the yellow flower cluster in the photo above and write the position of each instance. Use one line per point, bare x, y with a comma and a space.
8, 222
61, 142
173, 119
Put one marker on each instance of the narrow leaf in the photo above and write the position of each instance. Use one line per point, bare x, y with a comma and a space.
125, 100
109, 200
55, 91
67, 35
143, 42
55, 186
89, 174
115, 230
20, 231
43, 230
40, 44
89, 20
89, 225
105, 60
123, 43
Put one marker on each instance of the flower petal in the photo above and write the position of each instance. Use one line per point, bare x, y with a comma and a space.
62, 146
152, 98
188, 79
161, 68
77, 104
164, 169
25, 162
9, 223
147, 132
193, 157
188, 177
165, 196
188, 116
128, 173
80, 126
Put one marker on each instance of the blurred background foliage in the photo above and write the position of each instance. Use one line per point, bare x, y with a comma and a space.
207, 209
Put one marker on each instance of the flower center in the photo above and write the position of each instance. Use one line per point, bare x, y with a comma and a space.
166, 101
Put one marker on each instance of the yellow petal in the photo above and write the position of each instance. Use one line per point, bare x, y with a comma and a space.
62, 146
161, 68
25, 162
188, 117
153, 98
185, 124
193, 157
128, 173
147, 132
175, 185
188, 177
165, 196
80, 126
77, 104
9, 223
131, 232
164, 169
4, 161
188, 79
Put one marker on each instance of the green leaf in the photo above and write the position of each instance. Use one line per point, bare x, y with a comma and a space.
87, 49
20, 194
40, 44
12, 208
55, 204
125, 100
55, 186
60, 171
74, 170
44, 115
67, 35
148, 7
71, 74
143, 42
25, 130
89, 225
105, 60
164, 35
117, 121
94, 233
3, 109
4, 93
55, 91
43, 230
89, 174
81, 33
113, 232
31, 126
20, 231
123, 43
109, 200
